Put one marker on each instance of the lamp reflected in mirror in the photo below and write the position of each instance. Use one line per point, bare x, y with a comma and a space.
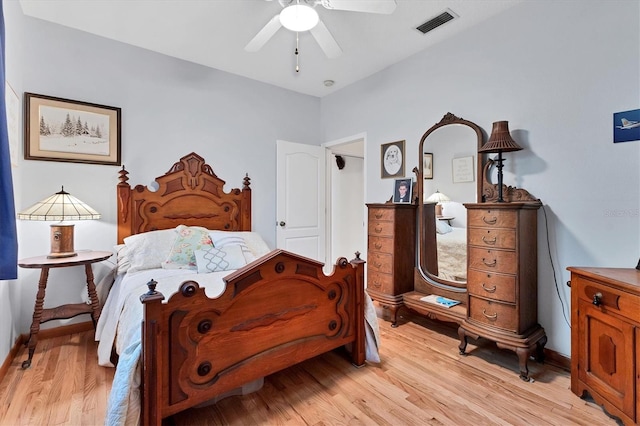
439, 198
500, 141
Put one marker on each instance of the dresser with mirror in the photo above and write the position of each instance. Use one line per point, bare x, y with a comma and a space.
475, 243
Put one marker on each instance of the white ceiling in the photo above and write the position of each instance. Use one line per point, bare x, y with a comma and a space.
214, 32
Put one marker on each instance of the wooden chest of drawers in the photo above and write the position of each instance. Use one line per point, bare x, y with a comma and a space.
605, 338
390, 254
502, 284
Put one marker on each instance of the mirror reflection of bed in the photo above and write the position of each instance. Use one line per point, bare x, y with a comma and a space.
452, 251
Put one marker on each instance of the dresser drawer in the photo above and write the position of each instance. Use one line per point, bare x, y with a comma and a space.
377, 228
380, 262
492, 238
380, 282
611, 300
493, 260
492, 218
381, 214
492, 286
495, 314
381, 244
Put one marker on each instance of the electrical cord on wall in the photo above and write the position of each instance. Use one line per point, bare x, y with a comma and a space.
555, 280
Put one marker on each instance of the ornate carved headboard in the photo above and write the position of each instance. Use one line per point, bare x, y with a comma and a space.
190, 193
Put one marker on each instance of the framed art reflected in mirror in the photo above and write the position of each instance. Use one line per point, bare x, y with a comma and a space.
392, 160
427, 165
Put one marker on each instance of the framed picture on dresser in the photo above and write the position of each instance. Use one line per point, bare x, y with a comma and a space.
402, 190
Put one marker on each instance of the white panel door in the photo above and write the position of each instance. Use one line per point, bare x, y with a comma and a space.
300, 210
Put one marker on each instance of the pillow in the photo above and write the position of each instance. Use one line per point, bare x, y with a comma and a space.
149, 249
213, 259
123, 259
251, 243
442, 227
256, 244
189, 239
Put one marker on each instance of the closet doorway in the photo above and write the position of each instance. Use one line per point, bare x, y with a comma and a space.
346, 210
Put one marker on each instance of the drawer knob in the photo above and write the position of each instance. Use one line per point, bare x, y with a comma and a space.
376, 284
490, 242
491, 317
378, 215
378, 230
597, 299
377, 264
489, 290
377, 245
492, 264
490, 221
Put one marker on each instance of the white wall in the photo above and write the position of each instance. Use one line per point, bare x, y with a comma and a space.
169, 109
557, 73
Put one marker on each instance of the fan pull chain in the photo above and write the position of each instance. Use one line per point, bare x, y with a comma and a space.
297, 56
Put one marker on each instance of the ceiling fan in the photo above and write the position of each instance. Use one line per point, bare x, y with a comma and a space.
300, 15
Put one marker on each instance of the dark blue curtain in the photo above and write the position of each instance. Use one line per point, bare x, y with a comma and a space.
8, 234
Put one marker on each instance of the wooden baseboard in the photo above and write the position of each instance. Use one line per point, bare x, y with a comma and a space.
11, 355
79, 327
557, 360
43, 334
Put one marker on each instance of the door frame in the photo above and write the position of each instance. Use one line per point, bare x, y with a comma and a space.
330, 147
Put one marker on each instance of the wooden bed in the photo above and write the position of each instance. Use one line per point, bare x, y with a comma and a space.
275, 312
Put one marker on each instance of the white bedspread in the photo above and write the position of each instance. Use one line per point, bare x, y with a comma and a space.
119, 327
452, 255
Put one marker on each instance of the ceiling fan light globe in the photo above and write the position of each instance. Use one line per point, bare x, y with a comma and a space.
299, 17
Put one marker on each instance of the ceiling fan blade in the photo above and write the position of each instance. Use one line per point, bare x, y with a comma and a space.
384, 7
264, 35
327, 43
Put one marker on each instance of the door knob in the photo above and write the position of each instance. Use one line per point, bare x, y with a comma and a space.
282, 223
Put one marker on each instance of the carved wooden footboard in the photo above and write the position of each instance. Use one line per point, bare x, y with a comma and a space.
275, 312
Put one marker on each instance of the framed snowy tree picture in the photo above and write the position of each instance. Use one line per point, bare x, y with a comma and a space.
59, 129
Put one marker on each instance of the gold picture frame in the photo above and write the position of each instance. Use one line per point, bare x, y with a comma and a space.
57, 129
392, 160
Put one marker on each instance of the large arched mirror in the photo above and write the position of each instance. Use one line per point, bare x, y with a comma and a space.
448, 177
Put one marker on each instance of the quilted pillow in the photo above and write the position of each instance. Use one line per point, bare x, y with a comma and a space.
213, 259
189, 239
251, 243
149, 249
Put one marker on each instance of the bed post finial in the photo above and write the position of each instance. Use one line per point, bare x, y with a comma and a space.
246, 181
152, 294
124, 176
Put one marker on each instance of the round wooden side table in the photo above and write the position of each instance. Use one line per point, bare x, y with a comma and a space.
41, 315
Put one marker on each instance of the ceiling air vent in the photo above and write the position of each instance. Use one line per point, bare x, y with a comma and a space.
435, 22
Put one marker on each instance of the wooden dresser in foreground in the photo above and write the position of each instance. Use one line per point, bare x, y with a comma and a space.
502, 279
390, 254
605, 338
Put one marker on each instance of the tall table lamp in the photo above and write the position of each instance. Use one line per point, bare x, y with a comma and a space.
500, 141
439, 198
60, 207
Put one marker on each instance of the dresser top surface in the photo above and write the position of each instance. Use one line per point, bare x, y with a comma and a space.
624, 277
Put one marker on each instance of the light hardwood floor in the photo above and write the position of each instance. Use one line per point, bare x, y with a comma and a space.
422, 380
